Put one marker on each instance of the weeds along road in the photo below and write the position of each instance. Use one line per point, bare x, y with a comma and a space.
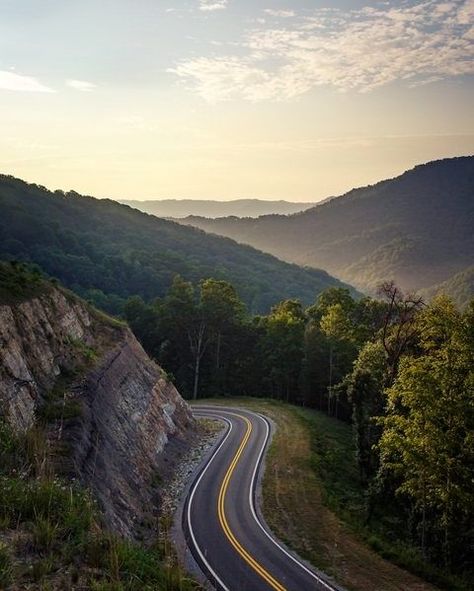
222, 523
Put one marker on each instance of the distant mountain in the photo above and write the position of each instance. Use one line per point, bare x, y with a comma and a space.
181, 208
107, 252
417, 228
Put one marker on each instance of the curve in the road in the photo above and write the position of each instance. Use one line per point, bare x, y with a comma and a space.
220, 515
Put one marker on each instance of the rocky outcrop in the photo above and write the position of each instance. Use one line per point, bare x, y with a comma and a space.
130, 423
36, 344
131, 417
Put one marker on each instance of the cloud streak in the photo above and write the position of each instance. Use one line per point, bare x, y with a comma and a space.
358, 50
211, 5
81, 85
20, 83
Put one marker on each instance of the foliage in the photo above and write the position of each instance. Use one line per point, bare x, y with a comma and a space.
6, 568
19, 282
62, 530
108, 252
399, 371
428, 432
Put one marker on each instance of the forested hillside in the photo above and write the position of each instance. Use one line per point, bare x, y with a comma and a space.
460, 288
107, 252
416, 229
180, 208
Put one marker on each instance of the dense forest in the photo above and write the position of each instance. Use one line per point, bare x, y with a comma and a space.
107, 252
400, 371
415, 229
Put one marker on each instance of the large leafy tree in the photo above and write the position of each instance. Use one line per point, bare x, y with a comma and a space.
224, 315
428, 431
281, 348
365, 391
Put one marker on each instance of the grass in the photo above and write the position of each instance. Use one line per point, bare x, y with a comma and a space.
6, 568
51, 534
58, 404
20, 282
313, 501
332, 459
88, 354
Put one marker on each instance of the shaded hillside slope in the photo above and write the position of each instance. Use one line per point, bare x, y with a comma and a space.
460, 288
107, 251
180, 208
416, 229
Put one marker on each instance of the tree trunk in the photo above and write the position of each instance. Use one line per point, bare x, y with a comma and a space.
330, 380
198, 346
218, 351
423, 522
196, 377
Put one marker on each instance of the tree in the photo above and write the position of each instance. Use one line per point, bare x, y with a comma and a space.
224, 313
186, 325
427, 439
281, 348
365, 391
145, 321
399, 329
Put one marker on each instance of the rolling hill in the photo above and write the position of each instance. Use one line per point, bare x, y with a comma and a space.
107, 252
417, 229
180, 208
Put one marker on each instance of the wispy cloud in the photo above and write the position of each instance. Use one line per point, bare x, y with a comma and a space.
358, 50
211, 5
279, 13
81, 85
20, 83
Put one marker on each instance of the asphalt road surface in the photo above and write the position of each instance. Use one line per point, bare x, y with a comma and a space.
222, 524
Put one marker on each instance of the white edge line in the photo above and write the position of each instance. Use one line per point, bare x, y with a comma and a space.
196, 484
259, 523
252, 497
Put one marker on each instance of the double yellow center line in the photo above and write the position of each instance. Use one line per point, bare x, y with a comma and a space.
258, 568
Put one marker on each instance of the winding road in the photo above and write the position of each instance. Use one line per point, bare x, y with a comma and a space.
221, 520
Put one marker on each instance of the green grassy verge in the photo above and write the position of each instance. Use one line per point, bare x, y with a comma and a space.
314, 502
51, 536
333, 460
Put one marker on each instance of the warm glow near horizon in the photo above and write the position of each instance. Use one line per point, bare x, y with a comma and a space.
226, 99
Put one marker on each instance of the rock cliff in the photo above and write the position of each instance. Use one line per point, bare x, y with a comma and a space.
58, 354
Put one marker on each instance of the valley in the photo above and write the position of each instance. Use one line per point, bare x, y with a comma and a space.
415, 229
237, 295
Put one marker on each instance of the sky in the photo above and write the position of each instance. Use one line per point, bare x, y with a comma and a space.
224, 99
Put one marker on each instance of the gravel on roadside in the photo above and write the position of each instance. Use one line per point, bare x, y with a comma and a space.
208, 433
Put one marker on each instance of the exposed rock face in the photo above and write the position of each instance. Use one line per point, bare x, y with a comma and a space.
132, 413
131, 416
35, 346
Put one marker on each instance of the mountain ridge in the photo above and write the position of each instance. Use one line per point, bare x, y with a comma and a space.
415, 228
179, 208
107, 252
